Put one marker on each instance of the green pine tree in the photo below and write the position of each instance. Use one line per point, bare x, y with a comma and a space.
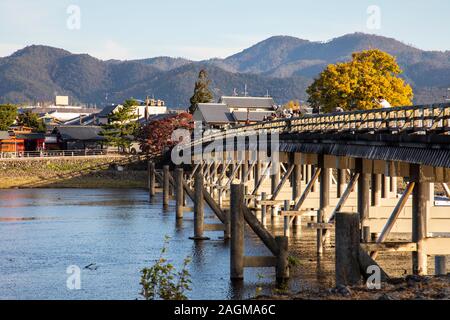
8, 114
122, 125
202, 94
31, 120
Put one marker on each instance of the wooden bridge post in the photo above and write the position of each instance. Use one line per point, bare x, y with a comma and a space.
237, 233
151, 179
219, 185
166, 186
419, 219
393, 186
257, 169
296, 190
307, 173
341, 182
282, 266
385, 187
275, 180
244, 171
287, 207
440, 265
376, 189
324, 202
199, 206
347, 249
263, 209
363, 193
179, 193
314, 186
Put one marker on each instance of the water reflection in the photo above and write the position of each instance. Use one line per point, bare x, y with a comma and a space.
121, 232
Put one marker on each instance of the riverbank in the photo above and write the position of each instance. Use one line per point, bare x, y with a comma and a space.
111, 171
405, 288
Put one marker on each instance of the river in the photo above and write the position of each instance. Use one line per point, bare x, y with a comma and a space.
111, 235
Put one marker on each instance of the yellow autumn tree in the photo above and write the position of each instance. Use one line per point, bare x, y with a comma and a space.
355, 85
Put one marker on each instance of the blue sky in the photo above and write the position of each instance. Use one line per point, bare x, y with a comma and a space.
199, 29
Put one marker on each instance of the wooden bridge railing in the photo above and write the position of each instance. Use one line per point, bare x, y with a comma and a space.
421, 119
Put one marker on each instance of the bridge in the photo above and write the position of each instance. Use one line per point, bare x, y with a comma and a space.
364, 176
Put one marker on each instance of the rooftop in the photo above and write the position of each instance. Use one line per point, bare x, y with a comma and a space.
91, 133
215, 113
248, 102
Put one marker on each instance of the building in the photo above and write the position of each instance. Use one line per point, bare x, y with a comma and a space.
144, 110
252, 104
9, 142
234, 111
214, 115
21, 139
79, 137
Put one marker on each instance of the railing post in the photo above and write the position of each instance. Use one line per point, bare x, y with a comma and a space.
179, 193
166, 184
237, 233
347, 249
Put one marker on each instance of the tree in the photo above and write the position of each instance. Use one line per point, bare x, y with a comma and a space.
202, 94
355, 85
292, 104
122, 126
8, 114
31, 120
156, 136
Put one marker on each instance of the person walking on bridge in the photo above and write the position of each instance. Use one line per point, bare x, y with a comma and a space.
383, 102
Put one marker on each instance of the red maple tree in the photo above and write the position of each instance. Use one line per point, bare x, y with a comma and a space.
156, 136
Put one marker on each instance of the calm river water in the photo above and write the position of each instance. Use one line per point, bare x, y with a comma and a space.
115, 233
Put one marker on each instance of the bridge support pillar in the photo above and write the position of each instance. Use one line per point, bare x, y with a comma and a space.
287, 229
296, 192
244, 171
307, 173
314, 186
341, 182
151, 180
166, 186
179, 193
275, 180
376, 189
237, 233
419, 219
199, 206
324, 203
440, 265
385, 187
393, 186
363, 193
263, 209
347, 249
282, 264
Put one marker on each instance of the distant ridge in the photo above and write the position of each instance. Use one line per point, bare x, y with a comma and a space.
282, 65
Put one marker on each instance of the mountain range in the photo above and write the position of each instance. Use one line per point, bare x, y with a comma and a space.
282, 66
